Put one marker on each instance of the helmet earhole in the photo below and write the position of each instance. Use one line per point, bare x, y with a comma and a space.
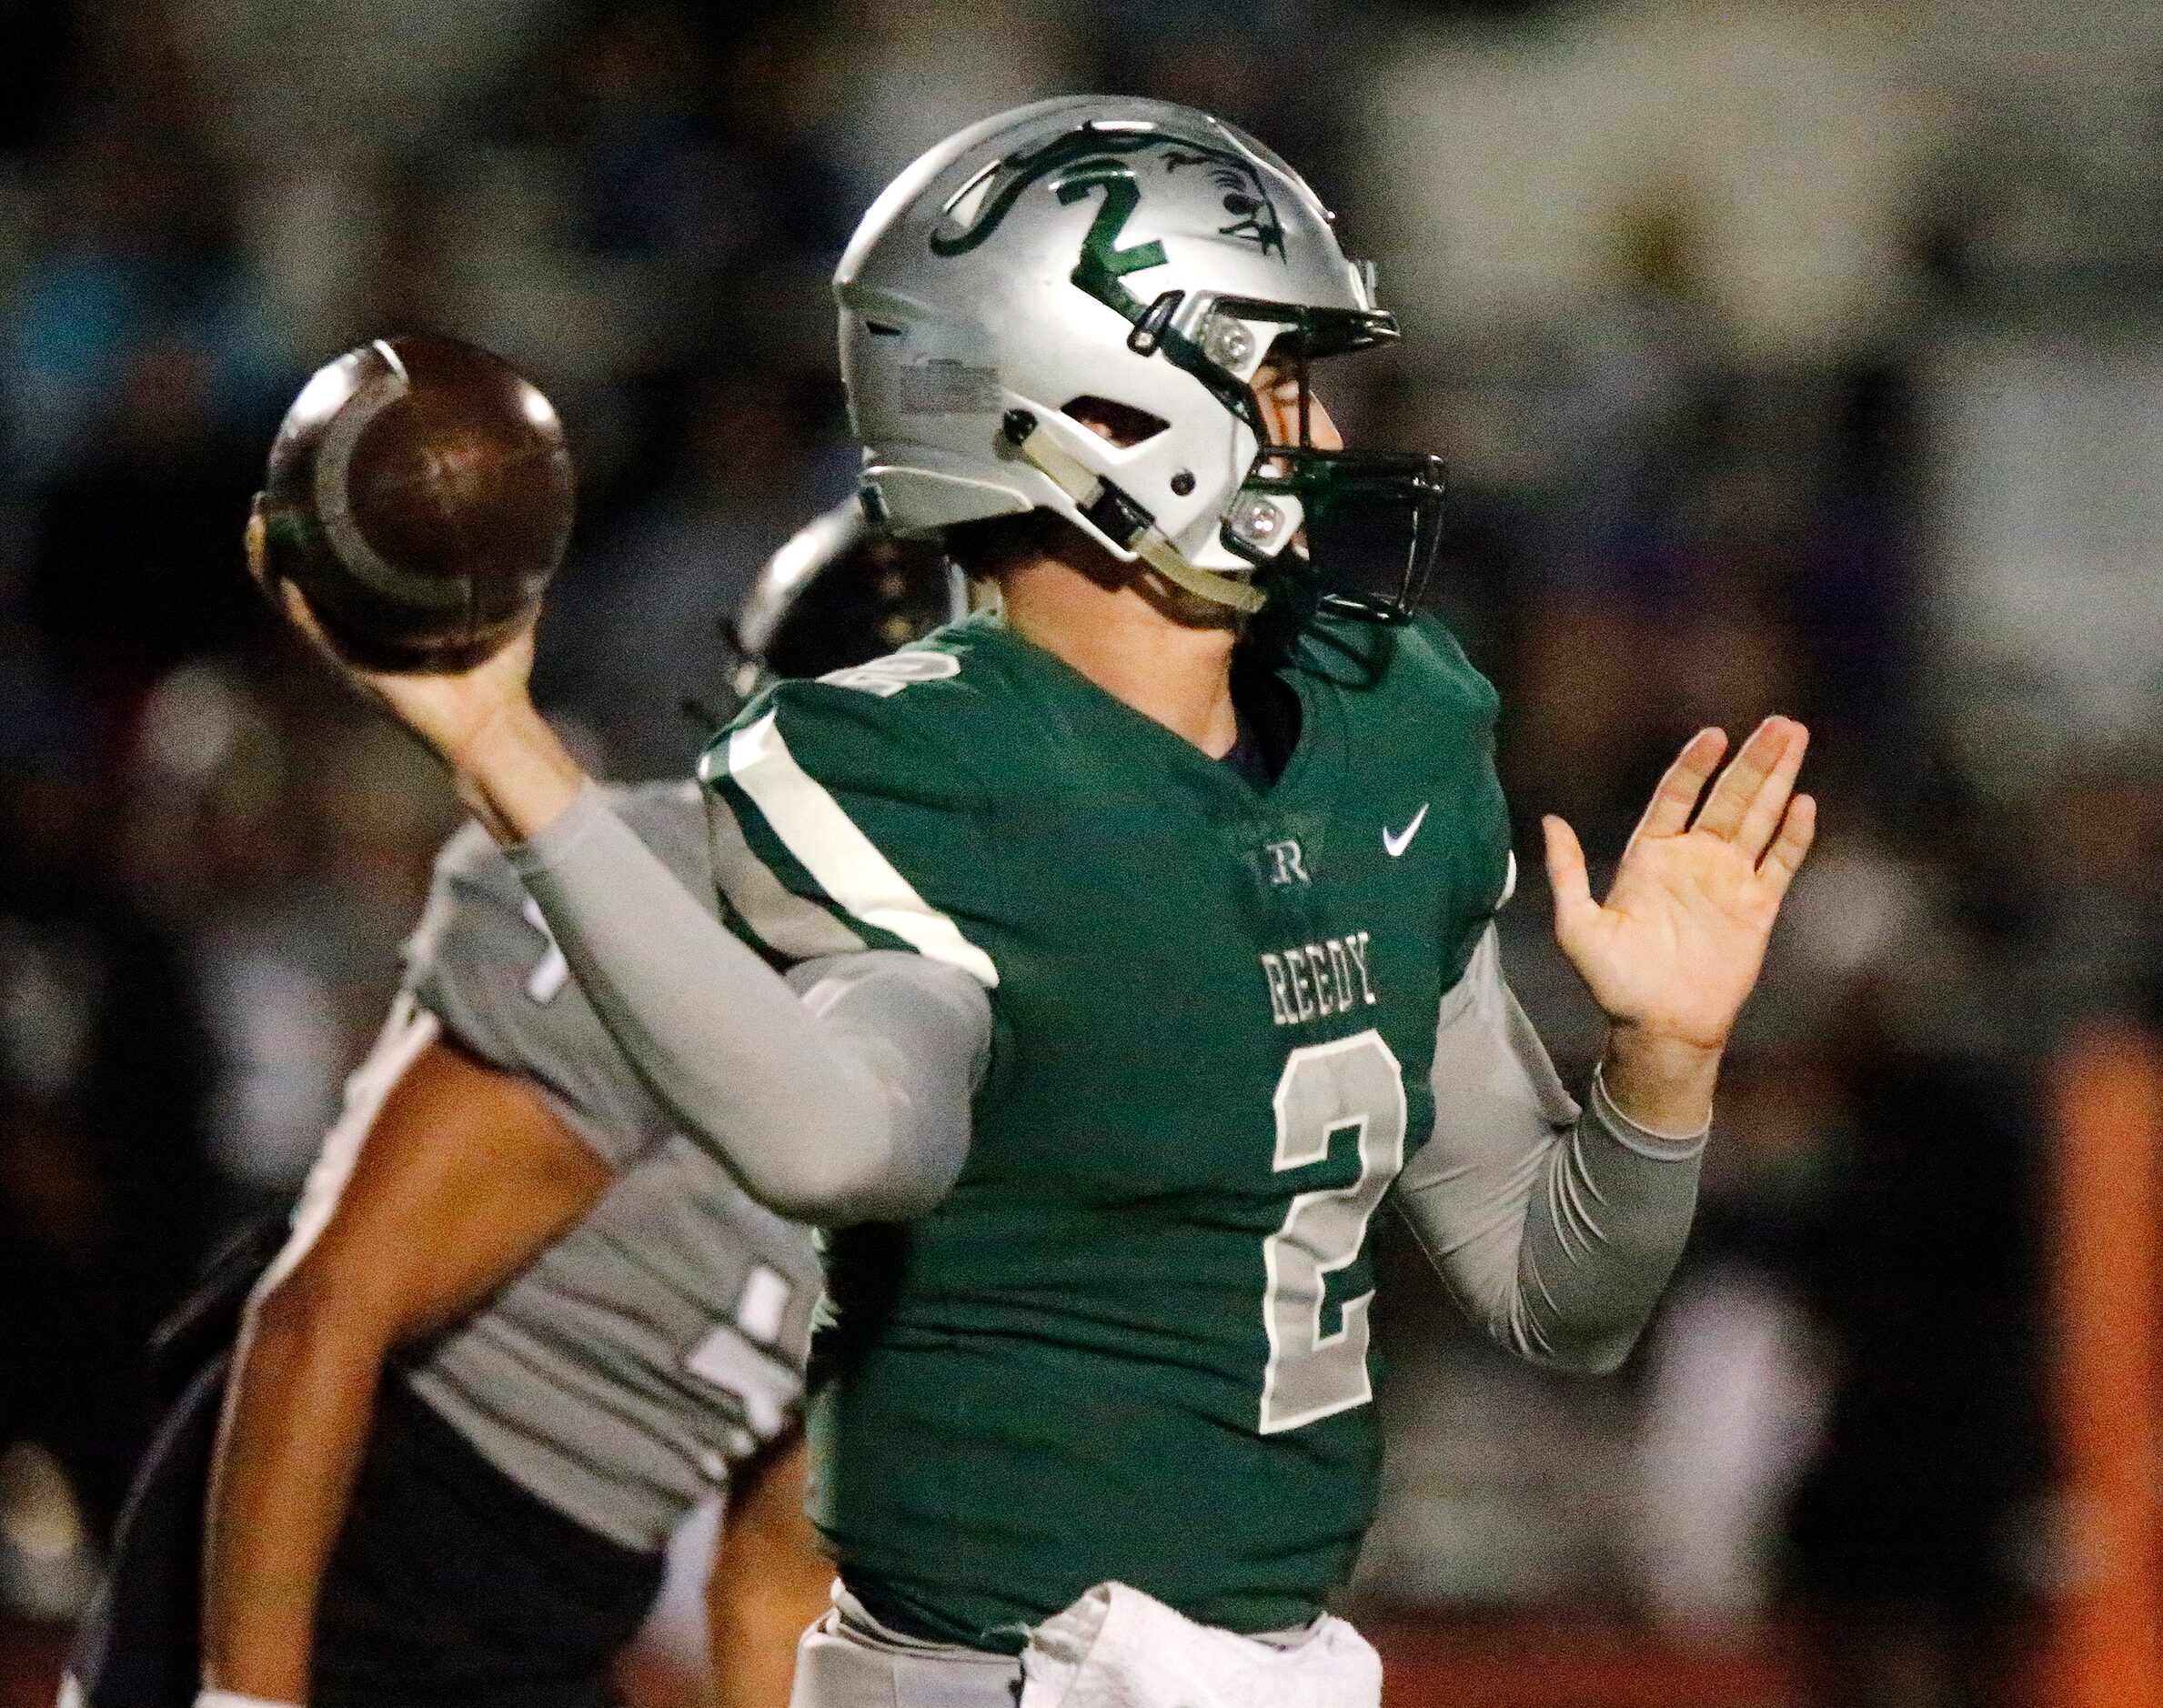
1182, 483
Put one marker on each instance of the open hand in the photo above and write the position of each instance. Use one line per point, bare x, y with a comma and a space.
1672, 952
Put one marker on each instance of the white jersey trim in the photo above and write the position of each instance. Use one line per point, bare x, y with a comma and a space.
408, 1031
840, 857
783, 919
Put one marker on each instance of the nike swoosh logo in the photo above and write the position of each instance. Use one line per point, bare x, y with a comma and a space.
1395, 842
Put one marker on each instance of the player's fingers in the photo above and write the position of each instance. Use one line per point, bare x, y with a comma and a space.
1667, 813
1798, 830
256, 545
303, 617
1762, 818
1738, 785
517, 655
1566, 876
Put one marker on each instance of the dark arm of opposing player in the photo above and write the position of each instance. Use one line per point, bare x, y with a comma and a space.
1556, 1228
770, 1579
464, 1175
850, 1105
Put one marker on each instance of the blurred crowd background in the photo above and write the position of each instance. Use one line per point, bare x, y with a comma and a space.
1789, 356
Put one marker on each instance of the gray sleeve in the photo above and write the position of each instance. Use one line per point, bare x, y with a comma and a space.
850, 1105
1556, 1228
482, 961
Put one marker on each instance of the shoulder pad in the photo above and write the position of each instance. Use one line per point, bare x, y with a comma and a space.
846, 819
1440, 660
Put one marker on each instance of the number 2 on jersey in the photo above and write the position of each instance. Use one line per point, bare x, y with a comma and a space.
1357, 1083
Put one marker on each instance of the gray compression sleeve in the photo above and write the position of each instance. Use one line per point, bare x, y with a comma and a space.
1556, 1227
850, 1105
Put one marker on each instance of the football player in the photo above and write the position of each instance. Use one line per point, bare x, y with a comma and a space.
1142, 929
519, 1329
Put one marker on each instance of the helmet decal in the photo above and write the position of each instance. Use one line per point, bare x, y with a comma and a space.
1104, 263
1093, 157
1000, 185
1094, 151
1253, 214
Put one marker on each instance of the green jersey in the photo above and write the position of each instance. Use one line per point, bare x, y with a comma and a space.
1131, 1344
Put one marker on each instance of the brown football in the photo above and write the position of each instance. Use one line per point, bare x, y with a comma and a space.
419, 496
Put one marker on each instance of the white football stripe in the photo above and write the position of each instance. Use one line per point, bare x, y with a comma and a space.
784, 921
407, 1031
840, 856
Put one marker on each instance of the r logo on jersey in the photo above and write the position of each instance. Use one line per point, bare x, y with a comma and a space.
1287, 864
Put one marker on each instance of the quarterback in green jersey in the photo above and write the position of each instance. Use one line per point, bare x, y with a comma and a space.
1094, 970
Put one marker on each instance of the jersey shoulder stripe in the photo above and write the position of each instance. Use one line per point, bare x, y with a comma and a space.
821, 837
785, 922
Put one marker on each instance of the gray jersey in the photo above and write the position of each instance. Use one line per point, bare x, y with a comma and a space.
663, 1338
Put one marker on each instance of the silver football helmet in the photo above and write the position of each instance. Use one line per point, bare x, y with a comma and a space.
838, 593
1062, 308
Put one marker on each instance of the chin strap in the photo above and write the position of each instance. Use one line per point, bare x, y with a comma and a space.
1110, 509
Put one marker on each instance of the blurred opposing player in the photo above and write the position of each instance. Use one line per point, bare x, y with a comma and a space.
1143, 933
520, 1328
